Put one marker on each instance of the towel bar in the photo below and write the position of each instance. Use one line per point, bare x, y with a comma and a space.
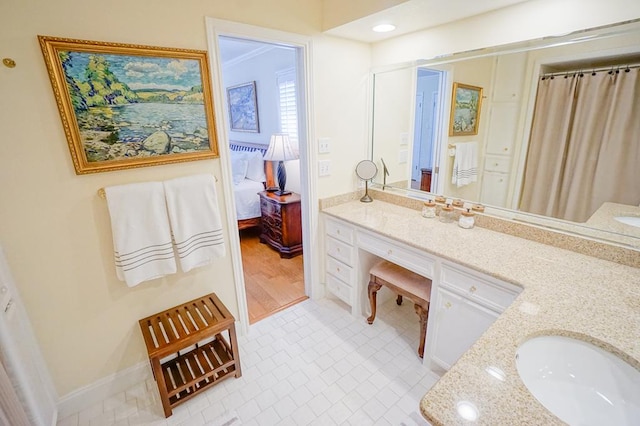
103, 194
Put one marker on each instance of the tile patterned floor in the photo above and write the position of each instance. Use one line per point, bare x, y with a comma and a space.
311, 364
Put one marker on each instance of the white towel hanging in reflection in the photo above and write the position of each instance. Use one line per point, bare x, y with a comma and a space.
465, 164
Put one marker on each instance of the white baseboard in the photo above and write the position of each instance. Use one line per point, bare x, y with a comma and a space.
93, 393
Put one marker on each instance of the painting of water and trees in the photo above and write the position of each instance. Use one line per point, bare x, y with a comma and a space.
465, 110
127, 106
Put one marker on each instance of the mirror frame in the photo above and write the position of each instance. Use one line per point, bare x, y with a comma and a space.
553, 224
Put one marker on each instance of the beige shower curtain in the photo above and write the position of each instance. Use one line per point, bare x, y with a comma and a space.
584, 147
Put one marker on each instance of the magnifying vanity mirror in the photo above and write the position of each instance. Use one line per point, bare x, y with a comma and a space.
411, 120
366, 170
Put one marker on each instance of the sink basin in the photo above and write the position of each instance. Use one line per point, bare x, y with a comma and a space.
580, 383
629, 220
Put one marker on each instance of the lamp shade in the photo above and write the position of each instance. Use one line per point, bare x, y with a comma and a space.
280, 148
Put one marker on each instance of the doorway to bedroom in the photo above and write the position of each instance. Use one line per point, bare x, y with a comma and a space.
261, 103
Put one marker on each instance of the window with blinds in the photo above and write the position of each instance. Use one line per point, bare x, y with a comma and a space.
288, 109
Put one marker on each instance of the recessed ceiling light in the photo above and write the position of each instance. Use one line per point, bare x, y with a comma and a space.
384, 28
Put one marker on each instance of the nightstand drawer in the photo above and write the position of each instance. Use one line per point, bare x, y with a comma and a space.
339, 231
281, 223
269, 208
340, 289
339, 270
339, 250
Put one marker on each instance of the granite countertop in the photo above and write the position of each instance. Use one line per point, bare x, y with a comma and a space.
564, 293
603, 218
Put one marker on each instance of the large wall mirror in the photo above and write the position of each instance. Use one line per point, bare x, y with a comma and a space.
522, 170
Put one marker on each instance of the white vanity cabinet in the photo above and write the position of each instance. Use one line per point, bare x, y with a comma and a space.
464, 304
340, 260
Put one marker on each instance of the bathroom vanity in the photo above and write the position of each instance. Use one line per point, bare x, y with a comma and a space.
491, 292
464, 302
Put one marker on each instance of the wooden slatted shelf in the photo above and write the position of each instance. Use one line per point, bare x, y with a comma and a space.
200, 322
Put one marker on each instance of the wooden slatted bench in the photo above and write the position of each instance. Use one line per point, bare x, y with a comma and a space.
199, 323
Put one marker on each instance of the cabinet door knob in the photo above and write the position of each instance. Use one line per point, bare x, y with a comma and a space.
473, 289
495, 164
447, 305
389, 252
338, 232
506, 149
338, 249
338, 269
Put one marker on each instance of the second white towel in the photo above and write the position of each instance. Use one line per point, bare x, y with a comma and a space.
195, 220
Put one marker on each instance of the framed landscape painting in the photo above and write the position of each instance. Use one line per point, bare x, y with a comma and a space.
243, 108
125, 106
465, 110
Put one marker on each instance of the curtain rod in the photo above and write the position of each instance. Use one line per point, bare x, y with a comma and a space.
616, 68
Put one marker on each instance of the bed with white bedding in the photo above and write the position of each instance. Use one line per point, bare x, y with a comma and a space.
249, 179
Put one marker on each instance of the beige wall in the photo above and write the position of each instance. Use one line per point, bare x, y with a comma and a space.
54, 228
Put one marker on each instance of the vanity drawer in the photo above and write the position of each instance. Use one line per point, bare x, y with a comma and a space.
499, 296
339, 230
394, 252
339, 250
497, 164
340, 289
340, 270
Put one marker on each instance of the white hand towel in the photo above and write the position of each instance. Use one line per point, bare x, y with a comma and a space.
141, 233
195, 220
465, 164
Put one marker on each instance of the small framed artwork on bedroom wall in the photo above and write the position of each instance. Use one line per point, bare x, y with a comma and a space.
243, 107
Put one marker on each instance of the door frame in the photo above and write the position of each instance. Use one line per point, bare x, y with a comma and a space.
215, 29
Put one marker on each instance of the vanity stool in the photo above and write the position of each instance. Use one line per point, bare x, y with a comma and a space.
403, 283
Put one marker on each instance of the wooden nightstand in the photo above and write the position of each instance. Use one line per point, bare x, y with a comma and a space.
281, 223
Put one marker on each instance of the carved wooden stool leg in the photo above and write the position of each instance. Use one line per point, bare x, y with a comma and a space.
423, 314
399, 300
373, 292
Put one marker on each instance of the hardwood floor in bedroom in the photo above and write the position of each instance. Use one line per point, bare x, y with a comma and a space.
272, 284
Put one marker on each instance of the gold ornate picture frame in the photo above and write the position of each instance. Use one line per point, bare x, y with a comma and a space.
466, 102
125, 106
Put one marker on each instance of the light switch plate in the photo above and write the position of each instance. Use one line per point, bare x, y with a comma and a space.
403, 156
324, 145
324, 168
404, 138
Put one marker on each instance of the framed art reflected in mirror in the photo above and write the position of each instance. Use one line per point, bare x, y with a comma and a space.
466, 102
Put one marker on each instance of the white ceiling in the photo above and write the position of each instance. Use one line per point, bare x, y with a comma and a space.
410, 16
415, 15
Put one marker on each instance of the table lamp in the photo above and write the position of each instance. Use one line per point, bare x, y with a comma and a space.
280, 150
